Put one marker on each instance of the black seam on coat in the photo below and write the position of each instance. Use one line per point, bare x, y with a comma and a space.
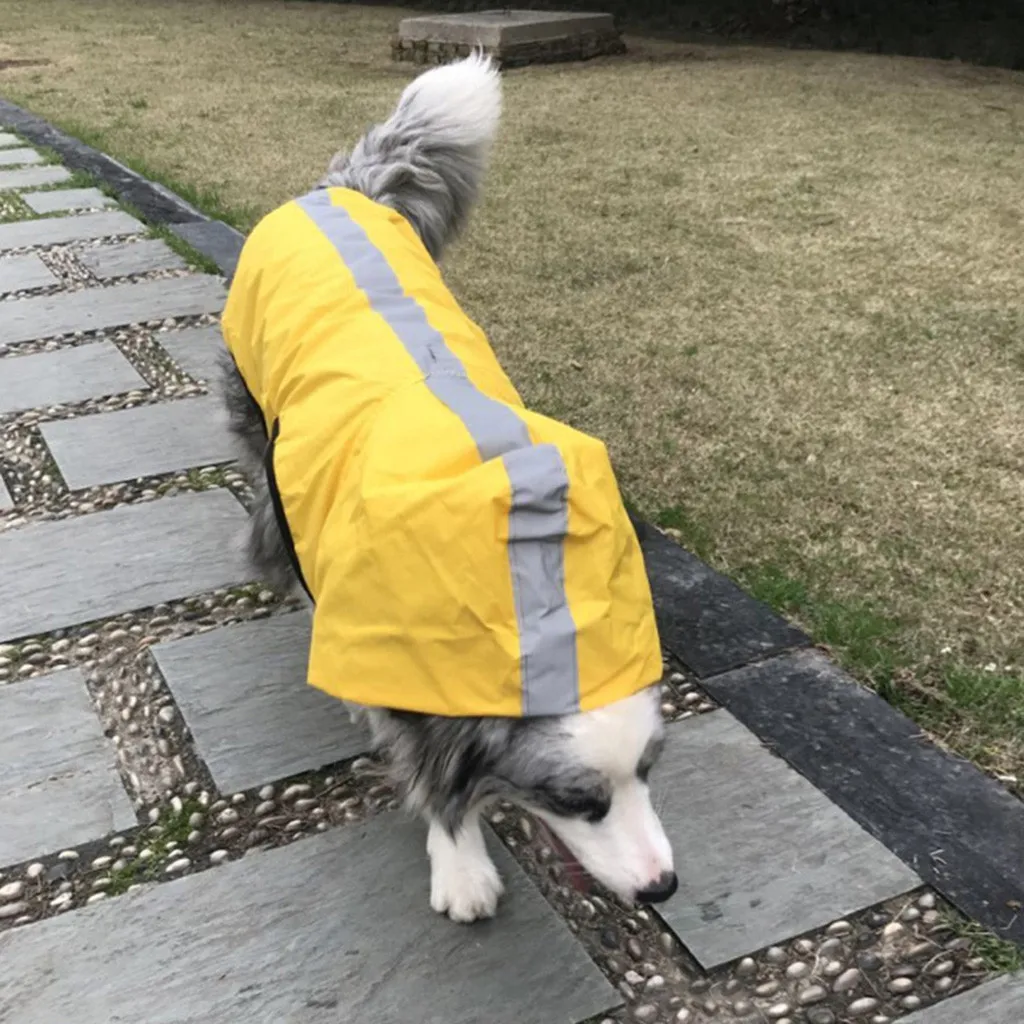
275, 497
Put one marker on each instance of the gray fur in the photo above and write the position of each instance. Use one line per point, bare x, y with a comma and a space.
413, 166
264, 542
445, 767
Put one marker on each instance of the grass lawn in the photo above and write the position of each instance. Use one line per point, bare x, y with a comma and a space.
785, 287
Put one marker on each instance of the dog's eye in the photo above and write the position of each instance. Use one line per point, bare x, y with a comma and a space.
597, 811
571, 802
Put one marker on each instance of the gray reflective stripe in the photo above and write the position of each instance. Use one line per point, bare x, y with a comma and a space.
538, 521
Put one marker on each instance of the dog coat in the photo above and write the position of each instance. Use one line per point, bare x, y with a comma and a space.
465, 555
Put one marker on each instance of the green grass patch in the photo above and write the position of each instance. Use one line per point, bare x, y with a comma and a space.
969, 707
864, 637
202, 197
133, 872
13, 207
171, 831
998, 954
692, 533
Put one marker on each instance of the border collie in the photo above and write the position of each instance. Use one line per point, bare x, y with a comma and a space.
584, 775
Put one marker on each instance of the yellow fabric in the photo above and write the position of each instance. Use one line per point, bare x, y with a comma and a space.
400, 527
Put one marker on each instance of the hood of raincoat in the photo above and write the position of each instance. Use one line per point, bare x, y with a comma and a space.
465, 555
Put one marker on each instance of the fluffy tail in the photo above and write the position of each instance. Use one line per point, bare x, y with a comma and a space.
428, 159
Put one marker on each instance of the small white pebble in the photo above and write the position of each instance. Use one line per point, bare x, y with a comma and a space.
177, 866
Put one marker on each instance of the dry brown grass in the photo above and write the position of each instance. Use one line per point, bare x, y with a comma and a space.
784, 286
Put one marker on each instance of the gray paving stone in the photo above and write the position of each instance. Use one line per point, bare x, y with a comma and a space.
761, 854
94, 309
244, 695
996, 1002
62, 230
67, 375
19, 273
66, 199
33, 177
111, 446
8, 139
5, 497
19, 157
76, 570
124, 258
58, 783
196, 350
332, 929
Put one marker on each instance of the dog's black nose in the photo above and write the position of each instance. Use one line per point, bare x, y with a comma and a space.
664, 888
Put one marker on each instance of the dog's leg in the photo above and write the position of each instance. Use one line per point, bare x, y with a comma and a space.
464, 883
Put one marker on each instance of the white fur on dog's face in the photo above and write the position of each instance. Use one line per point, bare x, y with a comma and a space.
627, 849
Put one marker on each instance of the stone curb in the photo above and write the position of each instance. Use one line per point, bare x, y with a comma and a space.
158, 205
959, 829
956, 827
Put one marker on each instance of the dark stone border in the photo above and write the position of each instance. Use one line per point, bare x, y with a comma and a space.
959, 829
158, 205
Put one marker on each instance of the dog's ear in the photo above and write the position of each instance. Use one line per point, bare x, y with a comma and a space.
469, 770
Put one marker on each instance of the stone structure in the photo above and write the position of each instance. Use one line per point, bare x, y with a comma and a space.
512, 38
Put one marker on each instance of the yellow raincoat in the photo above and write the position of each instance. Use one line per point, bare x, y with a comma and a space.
465, 556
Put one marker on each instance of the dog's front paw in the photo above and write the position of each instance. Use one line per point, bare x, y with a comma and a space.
465, 890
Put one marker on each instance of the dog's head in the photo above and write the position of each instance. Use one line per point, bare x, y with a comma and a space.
585, 776
596, 798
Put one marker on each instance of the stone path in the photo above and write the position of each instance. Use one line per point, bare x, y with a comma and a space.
188, 833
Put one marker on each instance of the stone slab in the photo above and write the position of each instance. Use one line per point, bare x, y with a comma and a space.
244, 696
704, 619
58, 782
8, 139
124, 258
215, 240
762, 855
959, 829
62, 230
19, 157
196, 350
67, 375
89, 567
330, 930
497, 29
33, 177
6, 502
995, 1002
95, 309
111, 446
66, 199
20, 273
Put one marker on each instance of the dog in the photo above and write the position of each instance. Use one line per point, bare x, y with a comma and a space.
583, 773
